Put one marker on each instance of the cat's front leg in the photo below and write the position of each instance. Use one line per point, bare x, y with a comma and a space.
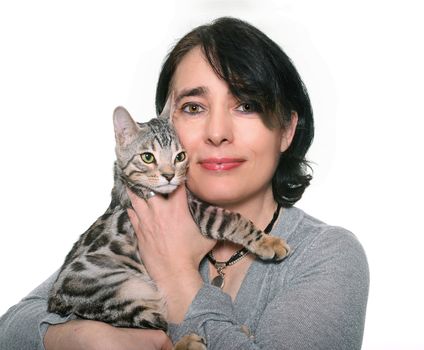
269, 247
222, 224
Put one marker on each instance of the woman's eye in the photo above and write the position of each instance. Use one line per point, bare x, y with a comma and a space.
180, 157
192, 108
147, 157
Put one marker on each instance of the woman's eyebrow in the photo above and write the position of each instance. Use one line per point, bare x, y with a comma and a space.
197, 91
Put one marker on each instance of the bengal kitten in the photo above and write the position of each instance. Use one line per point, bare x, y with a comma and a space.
103, 277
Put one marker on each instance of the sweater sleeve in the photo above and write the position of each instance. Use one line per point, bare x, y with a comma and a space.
24, 325
211, 316
320, 302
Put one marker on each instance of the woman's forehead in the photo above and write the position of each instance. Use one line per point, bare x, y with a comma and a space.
194, 77
193, 64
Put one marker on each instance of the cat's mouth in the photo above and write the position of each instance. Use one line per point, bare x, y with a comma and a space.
165, 189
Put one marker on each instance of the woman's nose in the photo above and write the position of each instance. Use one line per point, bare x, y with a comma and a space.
219, 127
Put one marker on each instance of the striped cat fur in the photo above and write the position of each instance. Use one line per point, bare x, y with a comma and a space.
103, 277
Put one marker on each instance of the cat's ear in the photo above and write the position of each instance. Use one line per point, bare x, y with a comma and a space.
126, 129
168, 110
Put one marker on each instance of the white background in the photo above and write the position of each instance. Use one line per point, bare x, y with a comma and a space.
64, 66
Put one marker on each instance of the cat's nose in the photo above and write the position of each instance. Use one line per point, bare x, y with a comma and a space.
169, 177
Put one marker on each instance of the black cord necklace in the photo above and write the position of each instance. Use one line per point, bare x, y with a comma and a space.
218, 281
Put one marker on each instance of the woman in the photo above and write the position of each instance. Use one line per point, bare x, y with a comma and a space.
244, 117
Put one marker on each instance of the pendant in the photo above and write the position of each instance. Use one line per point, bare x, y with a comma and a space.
218, 281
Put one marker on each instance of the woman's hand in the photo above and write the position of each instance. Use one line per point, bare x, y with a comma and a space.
93, 335
171, 247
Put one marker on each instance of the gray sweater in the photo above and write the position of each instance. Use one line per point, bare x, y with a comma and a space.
315, 299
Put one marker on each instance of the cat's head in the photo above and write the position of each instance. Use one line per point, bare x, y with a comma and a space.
149, 154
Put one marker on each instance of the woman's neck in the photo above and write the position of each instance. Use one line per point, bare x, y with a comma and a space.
259, 210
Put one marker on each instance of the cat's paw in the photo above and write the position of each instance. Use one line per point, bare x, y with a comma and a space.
271, 248
191, 342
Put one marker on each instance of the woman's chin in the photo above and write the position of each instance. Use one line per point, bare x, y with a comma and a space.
223, 192
218, 198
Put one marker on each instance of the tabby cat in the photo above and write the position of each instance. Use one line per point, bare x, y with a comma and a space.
103, 277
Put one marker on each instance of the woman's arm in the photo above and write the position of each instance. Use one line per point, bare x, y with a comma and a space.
319, 304
93, 335
28, 325
171, 247
23, 326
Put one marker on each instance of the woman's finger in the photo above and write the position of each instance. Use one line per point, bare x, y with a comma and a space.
139, 204
133, 217
179, 196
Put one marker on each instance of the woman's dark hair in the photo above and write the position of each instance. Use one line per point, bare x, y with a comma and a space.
258, 71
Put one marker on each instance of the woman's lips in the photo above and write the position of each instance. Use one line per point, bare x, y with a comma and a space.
218, 164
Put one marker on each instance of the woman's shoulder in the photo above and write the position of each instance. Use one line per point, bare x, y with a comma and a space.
318, 242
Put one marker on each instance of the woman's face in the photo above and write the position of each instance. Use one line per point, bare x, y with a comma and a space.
232, 155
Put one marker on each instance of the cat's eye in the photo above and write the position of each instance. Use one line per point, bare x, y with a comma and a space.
180, 157
147, 157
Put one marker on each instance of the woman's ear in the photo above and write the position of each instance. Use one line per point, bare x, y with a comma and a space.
288, 132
